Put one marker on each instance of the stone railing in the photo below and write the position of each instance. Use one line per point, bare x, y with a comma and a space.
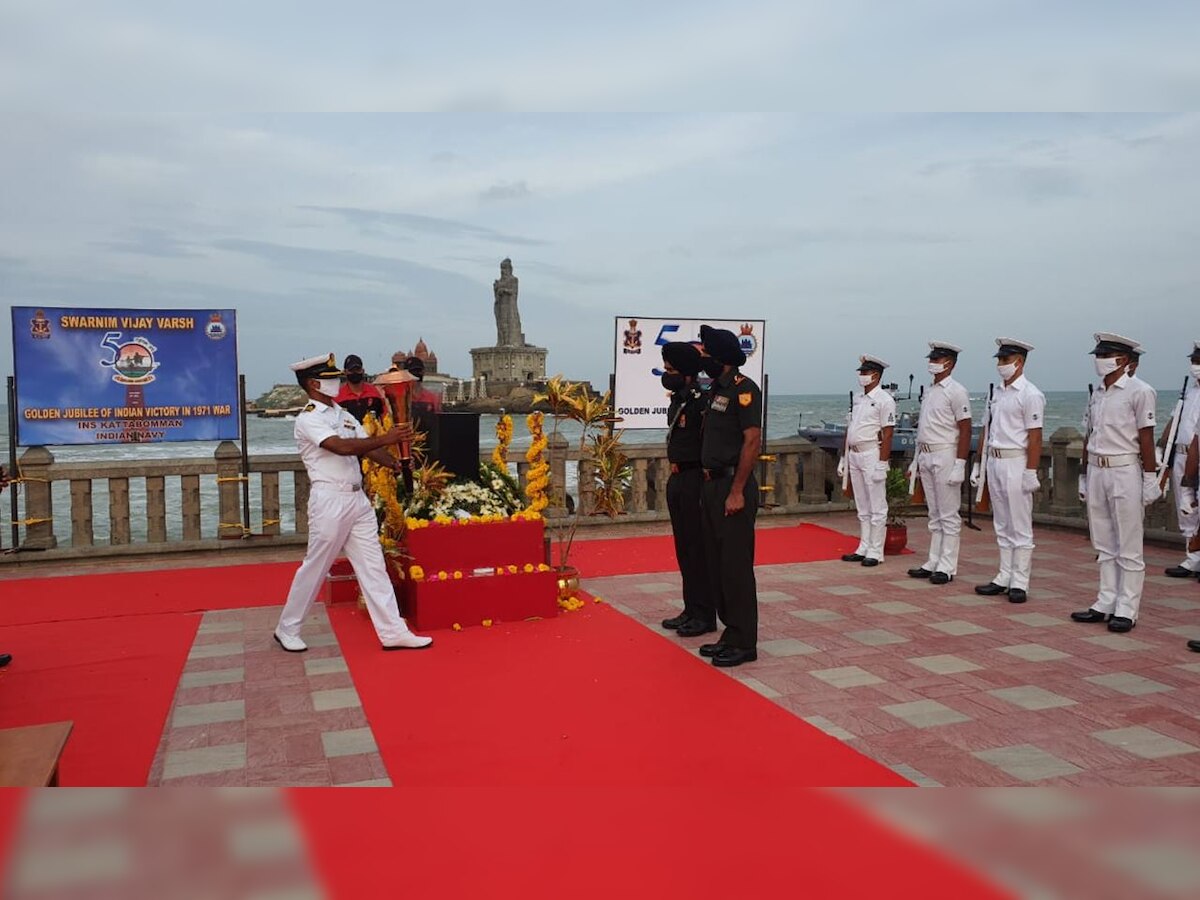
159, 505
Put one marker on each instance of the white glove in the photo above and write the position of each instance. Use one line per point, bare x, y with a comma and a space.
1150, 489
912, 468
1029, 481
1083, 486
958, 474
879, 473
841, 468
1187, 500
975, 475
1160, 455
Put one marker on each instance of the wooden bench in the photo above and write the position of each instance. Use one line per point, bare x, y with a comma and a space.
29, 756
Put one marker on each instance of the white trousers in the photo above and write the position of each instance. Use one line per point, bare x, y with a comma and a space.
1115, 519
870, 498
943, 499
340, 520
1012, 520
1189, 523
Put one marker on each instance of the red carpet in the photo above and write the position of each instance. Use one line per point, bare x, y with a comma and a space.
75, 597
772, 546
635, 843
589, 698
113, 677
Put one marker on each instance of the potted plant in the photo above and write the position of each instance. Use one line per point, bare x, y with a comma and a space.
896, 537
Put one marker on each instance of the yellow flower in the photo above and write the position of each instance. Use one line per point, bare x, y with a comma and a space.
442, 576
458, 576
542, 567
512, 570
597, 600
456, 627
487, 623
417, 573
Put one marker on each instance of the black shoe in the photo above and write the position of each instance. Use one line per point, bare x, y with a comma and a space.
1120, 624
940, 578
919, 573
711, 649
1194, 646
1016, 595
734, 656
5, 659
694, 628
991, 589
1179, 572
1089, 615
675, 621
868, 562
853, 557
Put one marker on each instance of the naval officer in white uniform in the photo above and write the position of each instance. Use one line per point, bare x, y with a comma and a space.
943, 443
1119, 480
340, 516
1014, 448
1185, 497
869, 447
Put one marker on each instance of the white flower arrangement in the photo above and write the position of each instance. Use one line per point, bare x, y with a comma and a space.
495, 494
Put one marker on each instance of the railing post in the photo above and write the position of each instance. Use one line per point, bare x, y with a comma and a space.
1064, 488
637, 498
229, 470
812, 460
662, 474
557, 450
39, 507
81, 513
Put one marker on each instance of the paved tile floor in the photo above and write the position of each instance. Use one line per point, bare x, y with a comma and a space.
247, 713
951, 688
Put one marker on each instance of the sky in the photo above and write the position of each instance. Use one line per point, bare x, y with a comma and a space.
349, 177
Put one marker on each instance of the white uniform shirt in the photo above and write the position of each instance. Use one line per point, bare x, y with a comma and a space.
946, 404
1189, 416
1015, 410
1116, 415
318, 422
872, 413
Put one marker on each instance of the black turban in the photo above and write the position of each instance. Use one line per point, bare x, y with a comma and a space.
722, 345
684, 358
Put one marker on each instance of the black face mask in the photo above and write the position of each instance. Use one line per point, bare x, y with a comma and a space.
674, 381
354, 377
712, 367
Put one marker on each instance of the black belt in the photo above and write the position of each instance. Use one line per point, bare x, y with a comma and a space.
684, 466
718, 473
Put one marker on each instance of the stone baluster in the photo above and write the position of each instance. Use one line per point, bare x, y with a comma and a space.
637, 498
787, 487
587, 486
1065, 464
301, 488
118, 511
39, 507
189, 486
82, 534
812, 461
662, 473
270, 503
556, 451
156, 509
229, 502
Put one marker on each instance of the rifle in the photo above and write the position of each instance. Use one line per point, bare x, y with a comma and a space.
398, 391
847, 488
983, 501
916, 490
1164, 471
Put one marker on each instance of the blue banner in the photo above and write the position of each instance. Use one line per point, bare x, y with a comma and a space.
124, 376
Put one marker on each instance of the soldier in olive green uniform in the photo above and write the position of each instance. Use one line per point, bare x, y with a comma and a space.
684, 418
728, 454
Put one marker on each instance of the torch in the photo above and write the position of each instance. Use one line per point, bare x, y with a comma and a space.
397, 387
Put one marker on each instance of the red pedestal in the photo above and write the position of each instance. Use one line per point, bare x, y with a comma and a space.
430, 605
472, 546
341, 585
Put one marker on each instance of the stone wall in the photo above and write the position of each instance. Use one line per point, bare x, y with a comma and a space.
511, 365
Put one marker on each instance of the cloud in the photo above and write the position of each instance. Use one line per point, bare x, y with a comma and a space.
426, 225
506, 190
150, 242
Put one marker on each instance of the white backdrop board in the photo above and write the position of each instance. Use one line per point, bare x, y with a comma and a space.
639, 396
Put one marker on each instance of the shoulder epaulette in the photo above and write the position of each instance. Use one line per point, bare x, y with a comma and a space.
310, 407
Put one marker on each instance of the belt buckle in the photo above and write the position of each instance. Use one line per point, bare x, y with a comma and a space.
1104, 462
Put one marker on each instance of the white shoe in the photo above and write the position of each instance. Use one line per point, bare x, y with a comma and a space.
290, 644
409, 641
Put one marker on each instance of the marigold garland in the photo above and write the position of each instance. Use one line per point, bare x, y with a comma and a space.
537, 480
504, 435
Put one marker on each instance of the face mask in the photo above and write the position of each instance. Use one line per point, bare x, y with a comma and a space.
354, 377
1007, 370
1196, 372
673, 381
865, 380
712, 367
329, 386
936, 368
1105, 366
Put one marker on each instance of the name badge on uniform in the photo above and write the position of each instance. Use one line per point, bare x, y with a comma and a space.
720, 404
